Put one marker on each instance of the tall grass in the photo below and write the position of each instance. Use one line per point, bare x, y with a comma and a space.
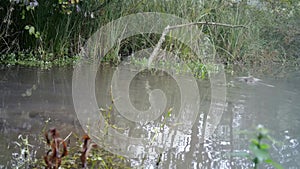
63, 26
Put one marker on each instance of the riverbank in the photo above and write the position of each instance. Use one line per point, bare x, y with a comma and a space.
53, 33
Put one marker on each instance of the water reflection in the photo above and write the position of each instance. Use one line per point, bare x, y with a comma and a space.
31, 96
25, 108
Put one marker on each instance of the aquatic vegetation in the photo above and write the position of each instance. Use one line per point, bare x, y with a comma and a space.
259, 149
54, 157
90, 155
26, 157
62, 154
30, 60
86, 148
198, 69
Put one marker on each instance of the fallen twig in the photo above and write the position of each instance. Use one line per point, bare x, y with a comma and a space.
169, 28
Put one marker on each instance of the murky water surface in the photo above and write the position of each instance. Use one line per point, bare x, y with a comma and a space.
29, 97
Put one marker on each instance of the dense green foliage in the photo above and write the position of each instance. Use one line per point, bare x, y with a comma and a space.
53, 31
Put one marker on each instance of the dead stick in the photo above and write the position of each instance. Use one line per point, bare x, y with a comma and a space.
207, 23
168, 28
67, 137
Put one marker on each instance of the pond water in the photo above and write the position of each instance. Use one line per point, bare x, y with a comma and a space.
30, 97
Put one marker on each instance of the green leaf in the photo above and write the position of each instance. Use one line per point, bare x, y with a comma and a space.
28, 8
170, 112
37, 34
31, 30
260, 154
274, 164
264, 146
26, 27
23, 14
255, 142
